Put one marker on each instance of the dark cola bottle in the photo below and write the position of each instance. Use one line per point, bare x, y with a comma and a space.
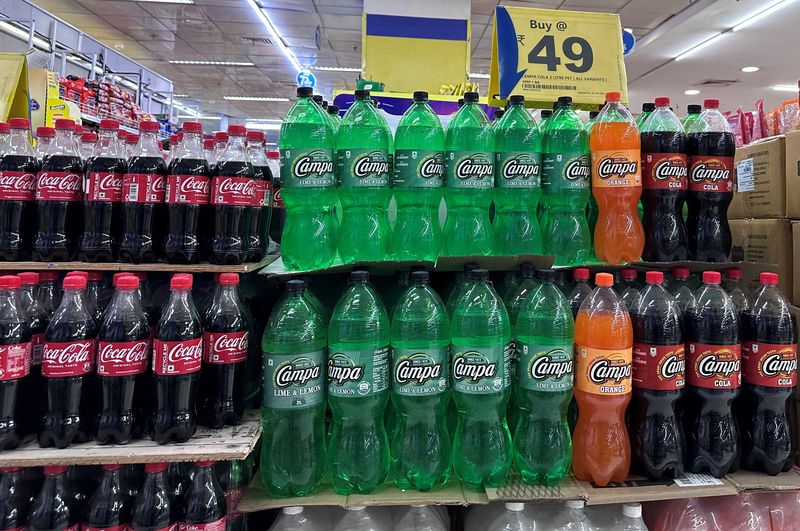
177, 356
59, 216
94, 294
225, 344
102, 198
659, 377
664, 183
16, 353
232, 194
15, 500
711, 149
18, 168
713, 376
38, 319
204, 501
769, 371
109, 508
278, 216
68, 357
262, 200
144, 212
154, 508
49, 293
123, 355
187, 196
233, 477
55, 507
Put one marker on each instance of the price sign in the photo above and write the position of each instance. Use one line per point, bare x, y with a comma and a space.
544, 53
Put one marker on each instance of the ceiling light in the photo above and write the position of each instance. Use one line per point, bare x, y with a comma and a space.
180, 95
262, 126
273, 31
169, 1
773, 7
335, 69
749, 69
211, 63
200, 117
698, 47
785, 88
691, 92
478, 75
253, 98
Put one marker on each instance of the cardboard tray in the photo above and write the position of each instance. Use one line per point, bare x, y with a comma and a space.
151, 267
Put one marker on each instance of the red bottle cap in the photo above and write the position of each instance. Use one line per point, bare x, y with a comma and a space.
229, 279
273, 154
771, 279
605, 280
10, 469
654, 277
89, 136
613, 96
628, 273
220, 136
78, 129
181, 281
45, 132
662, 101
711, 277
48, 275
711, 104
54, 470
65, 123
122, 135
255, 136
9, 282
192, 127
5, 127
580, 273
83, 274
19, 123
111, 466
733, 273
173, 139
127, 282
203, 463
680, 272
74, 282
208, 143
237, 130
132, 138
148, 125
155, 467
117, 276
28, 278
109, 124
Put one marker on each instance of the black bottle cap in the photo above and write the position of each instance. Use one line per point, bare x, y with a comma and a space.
648, 107
420, 95
547, 274
304, 92
546, 113
333, 109
360, 275
317, 98
564, 100
420, 276
479, 273
471, 97
296, 286
361, 94
472, 266
694, 109
517, 98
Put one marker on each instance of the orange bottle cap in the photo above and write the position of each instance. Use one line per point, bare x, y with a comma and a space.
604, 279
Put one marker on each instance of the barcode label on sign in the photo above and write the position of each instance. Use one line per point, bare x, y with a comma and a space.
537, 86
697, 480
133, 192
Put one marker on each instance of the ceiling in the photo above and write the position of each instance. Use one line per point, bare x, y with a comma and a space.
153, 33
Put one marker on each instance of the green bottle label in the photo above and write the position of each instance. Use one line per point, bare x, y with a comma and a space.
418, 168
357, 373
293, 381
417, 372
518, 169
566, 171
481, 370
470, 169
307, 168
544, 367
363, 168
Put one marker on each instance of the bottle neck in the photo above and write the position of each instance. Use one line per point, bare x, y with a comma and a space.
255, 150
18, 143
191, 147
234, 150
9, 305
107, 145
147, 145
63, 144
74, 302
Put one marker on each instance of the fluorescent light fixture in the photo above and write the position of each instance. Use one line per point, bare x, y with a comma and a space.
261, 126
755, 17
200, 117
478, 75
750, 69
335, 69
697, 47
785, 88
253, 98
273, 31
211, 63
270, 143
265, 120
180, 95
20, 33
691, 92
169, 1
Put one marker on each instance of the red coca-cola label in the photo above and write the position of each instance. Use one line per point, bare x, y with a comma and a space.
659, 367
216, 525
121, 527
232, 499
188, 189
123, 358
225, 347
261, 195
233, 191
173, 527
17, 186
104, 187
664, 171
143, 188
769, 364
58, 186
710, 173
177, 357
277, 199
68, 358
714, 366
15, 361
37, 342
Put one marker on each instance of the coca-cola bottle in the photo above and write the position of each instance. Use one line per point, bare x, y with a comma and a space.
154, 508
44, 137
15, 500
94, 294
68, 357
278, 217
88, 142
55, 506
220, 141
262, 200
18, 168
143, 191
123, 353
109, 508
103, 196
225, 344
204, 501
58, 195
130, 143
38, 319
49, 293
208, 150
76, 134
15, 361
233, 477
177, 356
187, 199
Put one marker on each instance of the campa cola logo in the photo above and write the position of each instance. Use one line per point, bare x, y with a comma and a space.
578, 169
372, 164
671, 168
710, 170
671, 366
606, 370
474, 166
555, 364
522, 166
342, 369
778, 363
418, 368
718, 363
298, 372
313, 164
617, 165
431, 167
473, 367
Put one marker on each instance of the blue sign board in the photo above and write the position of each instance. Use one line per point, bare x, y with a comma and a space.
628, 42
306, 79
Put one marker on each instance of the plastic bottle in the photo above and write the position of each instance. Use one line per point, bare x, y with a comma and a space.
647, 109
735, 287
576, 517
333, 116
628, 288
18, 168
421, 518
519, 292
680, 289
462, 285
54, 507
544, 117
295, 519
581, 290
692, 115
16, 352
358, 518
261, 213
16, 498
204, 502
154, 507
616, 183
220, 142
110, 505
513, 518
208, 151
632, 518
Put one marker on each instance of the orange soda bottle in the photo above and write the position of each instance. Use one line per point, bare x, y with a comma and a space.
601, 450
616, 183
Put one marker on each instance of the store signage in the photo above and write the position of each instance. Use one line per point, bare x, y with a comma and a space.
628, 41
306, 79
544, 53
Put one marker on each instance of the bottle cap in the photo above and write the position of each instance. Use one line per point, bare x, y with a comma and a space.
516, 99
770, 279
9, 282
181, 281
333, 109
471, 97
325, 104
317, 98
54, 470
192, 127
117, 276
654, 277
360, 275
605, 280
229, 279
132, 138
662, 101
361, 94
304, 92
564, 100
48, 275
148, 125
88, 136
628, 273
711, 104
419, 276
65, 123
292, 510
296, 286
420, 95
613, 96
18, 123
711, 277
122, 135
10, 469
680, 272
527, 267
479, 273
547, 113
78, 129
74, 282
109, 124
173, 139
470, 267
649, 106
28, 278
733, 273
274, 154
516, 507
549, 274
237, 130
578, 504
82, 274
580, 273
95, 276
126, 282
203, 463
155, 467
5, 127
255, 136
632, 510
111, 466
221, 136
45, 132
208, 143
693, 109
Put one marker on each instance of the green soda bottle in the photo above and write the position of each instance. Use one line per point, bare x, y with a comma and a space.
518, 161
692, 115
358, 389
565, 186
591, 209
420, 387
294, 348
481, 353
469, 146
647, 110
307, 186
545, 332
418, 181
333, 116
546, 114
463, 283
363, 147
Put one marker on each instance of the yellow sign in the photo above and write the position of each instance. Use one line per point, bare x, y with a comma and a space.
544, 53
56, 107
13, 86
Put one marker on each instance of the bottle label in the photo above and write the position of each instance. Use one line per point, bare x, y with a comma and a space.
362, 168
481, 370
277, 199
58, 186
418, 168
171, 527
714, 366
769, 364
188, 189
225, 347
311, 168
232, 499
357, 373
418, 372
143, 188
234, 191
518, 169
603, 372
665, 171
565, 171
67, 358
122, 358
469, 169
710, 173
15, 361
261, 197
659, 367
177, 357
17, 186
616, 168
216, 525
37, 342
544, 367
293, 381
103, 187
121, 527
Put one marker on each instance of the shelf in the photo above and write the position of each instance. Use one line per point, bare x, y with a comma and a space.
96, 120
226, 444
120, 266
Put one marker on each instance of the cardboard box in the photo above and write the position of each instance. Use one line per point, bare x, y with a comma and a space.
768, 199
765, 241
793, 175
